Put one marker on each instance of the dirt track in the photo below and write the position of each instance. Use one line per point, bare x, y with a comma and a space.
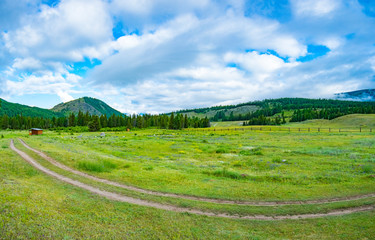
121, 198
220, 201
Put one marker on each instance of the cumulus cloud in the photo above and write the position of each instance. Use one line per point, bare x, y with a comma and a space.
316, 8
26, 64
60, 33
48, 83
158, 56
182, 41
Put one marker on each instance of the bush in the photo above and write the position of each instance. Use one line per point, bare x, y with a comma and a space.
149, 168
221, 150
367, 168
96, 166
237, 164
254, 151
228, 174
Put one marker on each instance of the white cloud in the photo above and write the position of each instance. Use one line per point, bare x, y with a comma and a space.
48, 83
314, 7
258, 64
60, 33
175, 54
146, 7
27, 64
332, 43
181, 42
64, 96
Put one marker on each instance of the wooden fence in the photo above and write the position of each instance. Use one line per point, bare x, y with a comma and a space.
287, 129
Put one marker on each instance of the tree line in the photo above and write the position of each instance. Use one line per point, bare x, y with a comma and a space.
329, 113
95, 123
304, 109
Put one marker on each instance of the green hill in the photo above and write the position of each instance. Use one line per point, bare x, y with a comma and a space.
273, 107
13, 109
92, 105
347, 121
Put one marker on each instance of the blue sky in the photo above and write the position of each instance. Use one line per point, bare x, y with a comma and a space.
158, 55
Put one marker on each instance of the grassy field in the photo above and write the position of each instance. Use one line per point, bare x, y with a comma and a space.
234, 165
351, 122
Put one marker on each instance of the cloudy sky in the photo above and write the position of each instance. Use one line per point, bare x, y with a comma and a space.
161, 55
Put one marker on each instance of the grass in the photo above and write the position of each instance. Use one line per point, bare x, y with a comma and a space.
33, 206
218, 208
290, 166
232, 165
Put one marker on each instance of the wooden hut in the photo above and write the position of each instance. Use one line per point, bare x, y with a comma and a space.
35, 131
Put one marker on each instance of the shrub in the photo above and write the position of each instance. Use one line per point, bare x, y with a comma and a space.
237, 164
227, 174
126, 166
96, 166
149, 168
254, 151
367, 168
221, 150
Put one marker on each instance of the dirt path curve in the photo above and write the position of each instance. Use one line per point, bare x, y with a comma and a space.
220, 201
122, 198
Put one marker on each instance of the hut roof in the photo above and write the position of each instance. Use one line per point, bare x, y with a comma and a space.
37, 129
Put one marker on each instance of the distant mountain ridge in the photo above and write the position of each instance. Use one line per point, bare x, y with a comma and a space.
86, 104
365, 95
92, 105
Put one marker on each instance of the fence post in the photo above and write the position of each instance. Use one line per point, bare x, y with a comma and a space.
318, 129
329, 129
339, 129
289, 129
309, 129
370, 129
360, 129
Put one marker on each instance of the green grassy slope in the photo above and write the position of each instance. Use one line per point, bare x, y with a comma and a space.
352, 121
92, 105
348, 121
13, 109
286, 105
211, 113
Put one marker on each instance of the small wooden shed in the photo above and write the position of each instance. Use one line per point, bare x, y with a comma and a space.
35, 131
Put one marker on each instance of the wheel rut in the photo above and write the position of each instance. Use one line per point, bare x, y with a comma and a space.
189, 197
131, 200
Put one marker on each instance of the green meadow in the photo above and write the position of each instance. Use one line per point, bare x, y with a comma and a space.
228, 165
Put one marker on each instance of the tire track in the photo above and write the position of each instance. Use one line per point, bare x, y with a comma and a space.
131, 200
189, 197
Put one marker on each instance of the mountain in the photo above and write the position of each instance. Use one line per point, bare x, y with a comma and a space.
13, 109
365, 95
92, 105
